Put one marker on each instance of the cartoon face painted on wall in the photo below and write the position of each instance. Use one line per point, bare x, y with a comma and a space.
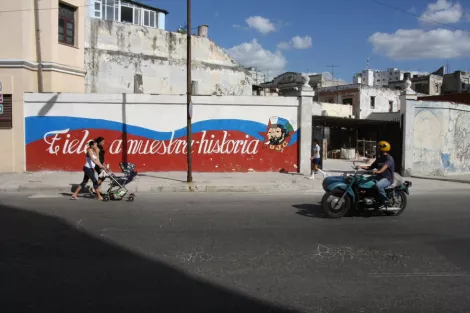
279, 130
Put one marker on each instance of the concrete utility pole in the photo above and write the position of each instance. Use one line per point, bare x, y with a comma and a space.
38, 45
189, 106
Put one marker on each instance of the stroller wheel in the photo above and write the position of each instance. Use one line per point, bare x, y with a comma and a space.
105, 198
131, 198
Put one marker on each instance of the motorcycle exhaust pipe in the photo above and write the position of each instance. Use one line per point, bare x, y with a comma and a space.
391, 209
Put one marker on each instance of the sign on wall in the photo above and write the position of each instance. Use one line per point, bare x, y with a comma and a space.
236, 140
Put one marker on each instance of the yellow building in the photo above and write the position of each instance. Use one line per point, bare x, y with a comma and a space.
42, 51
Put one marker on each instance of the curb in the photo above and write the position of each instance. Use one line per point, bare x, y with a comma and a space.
196, 188
451, 180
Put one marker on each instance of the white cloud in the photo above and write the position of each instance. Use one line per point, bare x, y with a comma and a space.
261, 24
296, 42
302, 42
252, 54
418, 44
442, 11
284, 45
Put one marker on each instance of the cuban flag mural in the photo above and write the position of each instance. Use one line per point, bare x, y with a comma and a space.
225, 138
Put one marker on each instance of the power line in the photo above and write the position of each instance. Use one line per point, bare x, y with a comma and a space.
418, 16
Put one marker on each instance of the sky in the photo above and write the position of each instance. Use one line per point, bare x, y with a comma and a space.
311, 35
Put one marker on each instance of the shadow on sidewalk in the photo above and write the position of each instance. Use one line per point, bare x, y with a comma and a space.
48, 266
160, 177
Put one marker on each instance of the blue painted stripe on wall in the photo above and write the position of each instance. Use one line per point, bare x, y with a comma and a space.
37, 126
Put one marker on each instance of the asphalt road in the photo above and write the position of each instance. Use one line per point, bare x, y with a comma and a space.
231, 253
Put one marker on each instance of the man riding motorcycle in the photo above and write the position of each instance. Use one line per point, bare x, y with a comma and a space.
385, 174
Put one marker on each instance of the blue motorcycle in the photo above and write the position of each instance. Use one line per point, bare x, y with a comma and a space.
351, 193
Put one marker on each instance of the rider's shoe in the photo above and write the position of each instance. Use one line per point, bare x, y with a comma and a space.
386, 203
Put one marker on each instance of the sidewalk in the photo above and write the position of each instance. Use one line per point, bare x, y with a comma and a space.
169, 182
65, 182
464, 179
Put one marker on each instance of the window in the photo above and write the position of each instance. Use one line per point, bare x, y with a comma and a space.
6, 113
150, 18
122, 11
372, 102
110, 10
97, 6
66, 24
348, 101
390, 106
127, 14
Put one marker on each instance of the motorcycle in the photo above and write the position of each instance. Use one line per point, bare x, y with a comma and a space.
347, 194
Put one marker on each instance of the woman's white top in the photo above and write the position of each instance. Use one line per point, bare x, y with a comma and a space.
89, 162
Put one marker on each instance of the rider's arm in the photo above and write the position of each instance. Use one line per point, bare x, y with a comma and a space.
383, 169
387, 164
368, 167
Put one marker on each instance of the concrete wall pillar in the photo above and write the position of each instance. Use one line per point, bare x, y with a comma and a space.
307, 108
407, 110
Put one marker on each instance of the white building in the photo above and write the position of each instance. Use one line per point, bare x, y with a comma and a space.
377, 78
365, 100
128, 50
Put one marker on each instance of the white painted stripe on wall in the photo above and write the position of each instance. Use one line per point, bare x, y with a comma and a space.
162, 113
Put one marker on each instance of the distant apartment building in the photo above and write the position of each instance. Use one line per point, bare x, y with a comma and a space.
287, 83
258, 77
428, 84
377, 78
457, 82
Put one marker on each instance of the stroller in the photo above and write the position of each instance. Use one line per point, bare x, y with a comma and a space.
117, 189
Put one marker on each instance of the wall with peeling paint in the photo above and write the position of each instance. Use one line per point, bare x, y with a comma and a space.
361, 98
440, 138
118, 54
229, 133
384, 98
336, 110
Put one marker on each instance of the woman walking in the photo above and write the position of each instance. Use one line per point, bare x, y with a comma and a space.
89, 171
99, 170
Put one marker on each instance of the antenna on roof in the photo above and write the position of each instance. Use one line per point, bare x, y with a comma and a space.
332, 71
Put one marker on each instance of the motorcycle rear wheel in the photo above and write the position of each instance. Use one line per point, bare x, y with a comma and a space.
330, 200
402, 204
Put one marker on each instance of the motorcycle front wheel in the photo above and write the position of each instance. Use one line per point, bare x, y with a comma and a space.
334, 204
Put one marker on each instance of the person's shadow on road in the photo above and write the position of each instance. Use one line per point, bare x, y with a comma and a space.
47, 265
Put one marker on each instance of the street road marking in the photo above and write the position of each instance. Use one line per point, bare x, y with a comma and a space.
392, 275
46, 195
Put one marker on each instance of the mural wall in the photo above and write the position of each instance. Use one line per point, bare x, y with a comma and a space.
441, 138
229, 134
